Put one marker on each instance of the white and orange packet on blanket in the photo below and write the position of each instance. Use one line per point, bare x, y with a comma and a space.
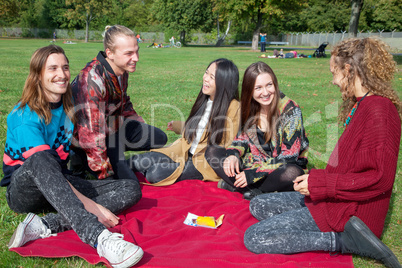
203, 221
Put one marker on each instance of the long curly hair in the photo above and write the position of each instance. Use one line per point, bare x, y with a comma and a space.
370, 60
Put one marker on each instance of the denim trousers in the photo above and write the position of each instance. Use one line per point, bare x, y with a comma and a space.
39, 185
286, 226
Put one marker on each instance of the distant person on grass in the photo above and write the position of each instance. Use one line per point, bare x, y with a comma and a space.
37, 148
343, 207
172, 41
213, 120
107, 124
263, 41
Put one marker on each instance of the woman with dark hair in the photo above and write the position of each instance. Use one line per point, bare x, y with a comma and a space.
343, 207
271, 150
213, 120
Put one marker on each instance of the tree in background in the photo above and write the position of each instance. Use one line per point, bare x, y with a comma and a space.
56, 10
326, 16
247, 17
84, 11
184, 15
257, 14
9, 11
28, 13
133, 14
222, 16
137, 13
221, 37
354, 17
383, 14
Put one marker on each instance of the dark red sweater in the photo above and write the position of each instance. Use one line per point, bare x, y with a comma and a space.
360, 173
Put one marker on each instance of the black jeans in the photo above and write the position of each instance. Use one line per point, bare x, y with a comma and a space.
279, 180
40, 186
157, 167
133, 136
286, 226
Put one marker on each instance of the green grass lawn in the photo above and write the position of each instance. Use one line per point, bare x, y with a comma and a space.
165, 86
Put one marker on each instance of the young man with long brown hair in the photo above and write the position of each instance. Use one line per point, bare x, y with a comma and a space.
35, 168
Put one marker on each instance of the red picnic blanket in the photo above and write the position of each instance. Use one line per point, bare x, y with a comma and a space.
156, 224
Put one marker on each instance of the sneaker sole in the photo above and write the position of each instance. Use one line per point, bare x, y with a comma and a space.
18, 235
130, 261
390, 260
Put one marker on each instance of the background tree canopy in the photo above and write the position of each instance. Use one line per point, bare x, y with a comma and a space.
248, 18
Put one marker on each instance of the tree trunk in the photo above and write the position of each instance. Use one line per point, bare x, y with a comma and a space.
256, 33
88, 19
182, 37
86, 30
254, 43
354, 17
217, 24
222, 39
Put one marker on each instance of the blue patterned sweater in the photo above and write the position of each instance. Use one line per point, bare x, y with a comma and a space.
28, 134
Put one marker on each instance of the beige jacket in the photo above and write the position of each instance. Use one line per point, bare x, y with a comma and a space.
178, 151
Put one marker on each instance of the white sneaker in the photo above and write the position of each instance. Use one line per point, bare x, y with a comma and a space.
30, 229
119, 253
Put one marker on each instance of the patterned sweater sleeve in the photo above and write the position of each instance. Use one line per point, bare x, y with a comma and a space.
239, 146
91, 128
23, 140
292, 141
287, 148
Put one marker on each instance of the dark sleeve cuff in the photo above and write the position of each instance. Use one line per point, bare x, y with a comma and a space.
234, 152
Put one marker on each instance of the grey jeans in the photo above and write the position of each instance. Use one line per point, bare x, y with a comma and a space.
286, 226
40, 186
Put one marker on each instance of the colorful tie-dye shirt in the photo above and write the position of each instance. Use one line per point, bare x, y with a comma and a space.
101, 104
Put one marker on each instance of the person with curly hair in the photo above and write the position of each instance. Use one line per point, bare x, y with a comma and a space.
343, 207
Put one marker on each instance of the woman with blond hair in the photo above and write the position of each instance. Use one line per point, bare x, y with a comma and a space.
343, 207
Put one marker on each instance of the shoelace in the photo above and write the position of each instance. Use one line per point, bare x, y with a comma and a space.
112, 246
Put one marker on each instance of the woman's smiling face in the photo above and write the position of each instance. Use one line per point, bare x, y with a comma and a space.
264, 90
209, 85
